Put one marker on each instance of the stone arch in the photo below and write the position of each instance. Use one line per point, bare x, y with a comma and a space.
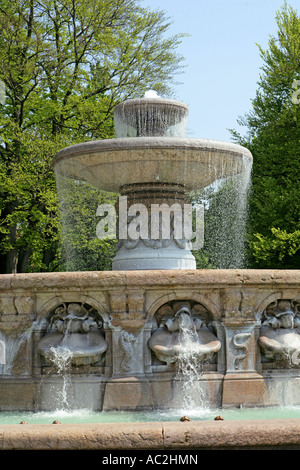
182, 295
45, 310
179, 319
267, 301
65, 318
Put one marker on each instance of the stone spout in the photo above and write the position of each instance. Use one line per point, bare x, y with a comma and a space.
183, 336
280, 334
72, 329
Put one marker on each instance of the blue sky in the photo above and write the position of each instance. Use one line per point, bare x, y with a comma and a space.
221, 57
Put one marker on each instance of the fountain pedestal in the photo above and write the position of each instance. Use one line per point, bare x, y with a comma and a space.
152, 226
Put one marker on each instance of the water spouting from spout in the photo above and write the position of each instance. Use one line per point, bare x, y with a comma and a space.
190, 366
61, 358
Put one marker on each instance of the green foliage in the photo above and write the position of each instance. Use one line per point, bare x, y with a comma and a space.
273, 138
65, 64
278, 248
28, 204
81, 249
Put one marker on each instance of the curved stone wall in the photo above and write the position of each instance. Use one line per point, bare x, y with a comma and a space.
127, 303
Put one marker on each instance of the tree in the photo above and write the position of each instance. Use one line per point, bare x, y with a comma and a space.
273, 137
80, 249
65, 64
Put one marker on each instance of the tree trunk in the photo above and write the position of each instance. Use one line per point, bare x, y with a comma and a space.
12, 255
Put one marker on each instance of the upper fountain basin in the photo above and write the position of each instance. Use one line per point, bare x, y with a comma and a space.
150, 117
111, 163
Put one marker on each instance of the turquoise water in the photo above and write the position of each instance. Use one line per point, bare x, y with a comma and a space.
87, 416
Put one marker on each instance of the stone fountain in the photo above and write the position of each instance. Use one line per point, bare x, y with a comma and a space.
129, 332
155, 172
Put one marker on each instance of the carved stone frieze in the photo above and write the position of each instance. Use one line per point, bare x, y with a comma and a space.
279, 339
127, 343
183, 327
73, 328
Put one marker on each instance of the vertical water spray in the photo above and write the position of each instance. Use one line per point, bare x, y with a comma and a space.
190, 367
61, 358
226, 216
73, 341
186, 339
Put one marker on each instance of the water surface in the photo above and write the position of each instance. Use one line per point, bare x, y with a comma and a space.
203, 414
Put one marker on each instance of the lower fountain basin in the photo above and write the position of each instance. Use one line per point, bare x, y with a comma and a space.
109, 164
156, 439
